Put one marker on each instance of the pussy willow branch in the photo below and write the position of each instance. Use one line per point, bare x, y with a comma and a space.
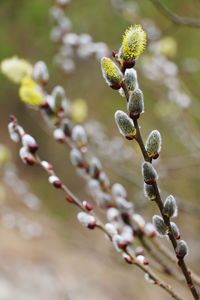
174, 18
168, 254
100, 225
76, 201
128, 251
159, 203
68, 141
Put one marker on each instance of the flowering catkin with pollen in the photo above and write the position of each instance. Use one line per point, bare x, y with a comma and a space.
111, 73
133, 43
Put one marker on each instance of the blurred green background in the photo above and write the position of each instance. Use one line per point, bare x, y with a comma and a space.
25, 32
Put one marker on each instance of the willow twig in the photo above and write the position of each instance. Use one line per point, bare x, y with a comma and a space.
174, 18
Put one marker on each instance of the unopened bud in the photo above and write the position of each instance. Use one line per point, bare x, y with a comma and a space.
135, 104
110, 228
150, 230
76, 158
118, 190
86, 220
124, 205
79, 136
149, 192
27, 157
149, 173
127, 234
59, 135
67, 127
88, 206
127, 258
104, 180
111, 73
153, 144
160, 225
46, 165
142, 260
125, 125
95, 167
181, 249
130, 77
113, 214
170, 207
119, 242
40, 73
30, 143
14, 135
139, 220
59, 96
175, 230
55, 181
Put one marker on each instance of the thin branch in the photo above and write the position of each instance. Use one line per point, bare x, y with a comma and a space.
158, 200
127, 250
167, 253
174, 18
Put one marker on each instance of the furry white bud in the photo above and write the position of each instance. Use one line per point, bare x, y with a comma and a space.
175, 230
149, 192
125, 125
26, 156
104, 180
46, 165
40, 73
113, 214
149, 173
160, 225
135, 104
59, 135
138, 219
118, 190
86, 220
142, 260
153, 144
170, 207
130, 77
95, 167
76, 157
119, 242
123, 205
79, 136
181, 249
150, 230
14, 135
127, 234
30, 143
110, 228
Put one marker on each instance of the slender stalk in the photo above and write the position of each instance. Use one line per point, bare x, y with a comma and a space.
159, 203
158, 200
76, 201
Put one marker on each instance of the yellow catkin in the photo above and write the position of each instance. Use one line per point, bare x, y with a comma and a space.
134, 42
16, 69
111, 72
30, 93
